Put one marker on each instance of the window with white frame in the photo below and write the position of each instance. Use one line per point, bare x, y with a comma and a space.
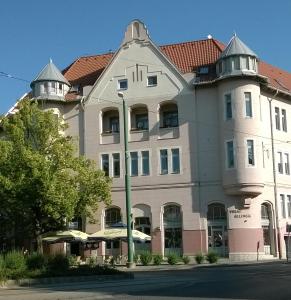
152, 80
110, 164
248, 104
170, 161
175, 160
283, 209
277, 118
164, 161
134, 163
116, 164
286, 163
122, 84
230, 154
105, 163
228, 106
280, 162
284, 120
145, 163
250, 152
289, 205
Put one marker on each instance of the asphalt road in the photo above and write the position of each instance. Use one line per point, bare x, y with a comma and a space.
270, 281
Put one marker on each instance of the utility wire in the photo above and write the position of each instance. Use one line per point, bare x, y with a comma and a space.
4, 74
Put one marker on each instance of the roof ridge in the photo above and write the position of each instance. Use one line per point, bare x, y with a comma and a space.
187, 42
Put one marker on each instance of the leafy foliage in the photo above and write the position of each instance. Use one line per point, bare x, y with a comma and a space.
199, 257
186, 259
212, 257
36, 261
173, 259
43, 183
146, 258
14, 260
158, 259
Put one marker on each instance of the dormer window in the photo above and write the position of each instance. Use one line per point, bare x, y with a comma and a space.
203, 70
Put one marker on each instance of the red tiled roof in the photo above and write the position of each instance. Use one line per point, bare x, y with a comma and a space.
85, 70
278, 78
186, 57
190, 55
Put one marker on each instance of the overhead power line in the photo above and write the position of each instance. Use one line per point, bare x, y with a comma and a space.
4, 74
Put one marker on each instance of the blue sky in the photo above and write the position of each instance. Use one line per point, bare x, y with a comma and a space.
33, 31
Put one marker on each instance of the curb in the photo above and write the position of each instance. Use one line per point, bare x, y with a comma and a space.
27, 282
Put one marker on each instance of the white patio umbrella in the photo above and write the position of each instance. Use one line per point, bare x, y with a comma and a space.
110, 234
65, 236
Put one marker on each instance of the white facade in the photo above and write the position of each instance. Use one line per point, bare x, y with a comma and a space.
210, 160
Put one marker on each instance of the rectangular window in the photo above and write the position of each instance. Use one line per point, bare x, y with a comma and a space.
236, 62
105, 163
251, 154
280, 162
230, 154
116, 164
283, 210
122, 84
45, 86
287, 166
277, 118
145, 163
175, 161
228, 107
284, 120
244, 63
133, 163
248, 105
141, 121
164, 161
152, 80
289, 205
60, 87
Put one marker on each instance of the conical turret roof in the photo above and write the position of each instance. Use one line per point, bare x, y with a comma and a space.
50, 73
237, 47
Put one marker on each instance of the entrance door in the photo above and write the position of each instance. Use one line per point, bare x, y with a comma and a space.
217, 239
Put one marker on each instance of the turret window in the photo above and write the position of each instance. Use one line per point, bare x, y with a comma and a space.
250, 152
229, 154
248, 104
228, 107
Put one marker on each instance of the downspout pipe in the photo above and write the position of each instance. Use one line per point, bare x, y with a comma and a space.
278, 233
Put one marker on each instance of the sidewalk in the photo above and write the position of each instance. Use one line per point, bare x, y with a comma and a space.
192, 264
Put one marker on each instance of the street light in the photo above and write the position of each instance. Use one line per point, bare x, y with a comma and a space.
130, 263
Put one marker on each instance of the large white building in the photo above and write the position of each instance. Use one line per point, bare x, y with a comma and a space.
209, 141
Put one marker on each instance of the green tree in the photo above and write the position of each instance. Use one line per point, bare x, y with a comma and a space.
43, 184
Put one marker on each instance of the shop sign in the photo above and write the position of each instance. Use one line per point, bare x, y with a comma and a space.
238, 214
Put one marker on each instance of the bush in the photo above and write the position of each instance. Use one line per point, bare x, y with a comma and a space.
72, 260
136, 258
199, 258
186, 259
58, 262
173, 259
146, 258
14, 260
158, 258
212, 257
36, 261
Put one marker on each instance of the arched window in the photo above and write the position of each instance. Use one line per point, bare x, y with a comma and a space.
172, 218
112, 216
139, 118
216, 211
110, 121
169, 115
264, 212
